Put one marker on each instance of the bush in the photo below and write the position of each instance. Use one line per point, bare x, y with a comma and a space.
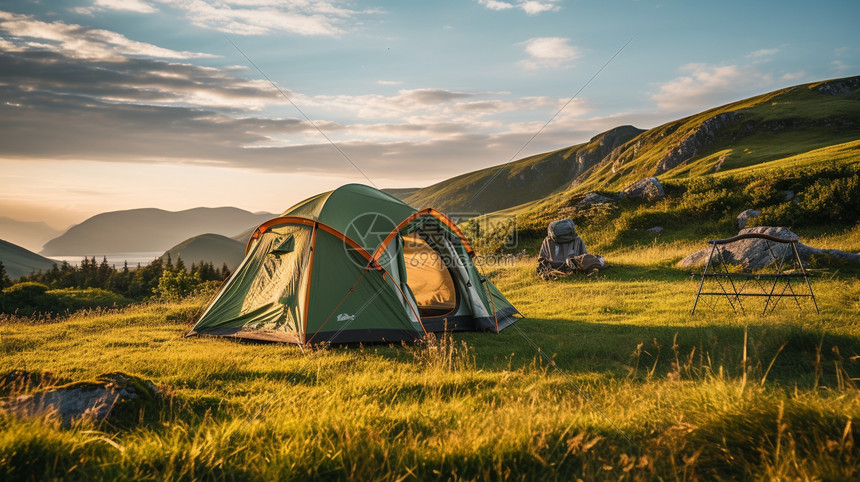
74, 300
29, 298
833, 200
177, 284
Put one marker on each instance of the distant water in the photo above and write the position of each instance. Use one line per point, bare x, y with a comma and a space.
115, 259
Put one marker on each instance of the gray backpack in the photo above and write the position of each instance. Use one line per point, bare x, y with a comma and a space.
562, 230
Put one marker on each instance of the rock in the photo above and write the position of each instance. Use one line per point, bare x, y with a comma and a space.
648, 188
753, 254
745, 216
595, 198
839, 87
696, 141
656, 229
789, 195
16, 381
116, 397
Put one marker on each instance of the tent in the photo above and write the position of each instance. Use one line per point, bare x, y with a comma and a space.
355, 265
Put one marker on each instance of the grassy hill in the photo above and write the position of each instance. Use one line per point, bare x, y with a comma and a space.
209, 247
784, 124
140, 230
777, 125
402, 193
521, 181
21, 262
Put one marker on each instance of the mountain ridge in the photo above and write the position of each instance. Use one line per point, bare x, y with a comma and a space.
31, 235
20, 261
149, 229
522, 180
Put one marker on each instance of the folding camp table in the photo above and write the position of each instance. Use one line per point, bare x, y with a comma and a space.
771, 286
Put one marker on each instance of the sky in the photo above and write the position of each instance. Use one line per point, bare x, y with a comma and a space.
119, 104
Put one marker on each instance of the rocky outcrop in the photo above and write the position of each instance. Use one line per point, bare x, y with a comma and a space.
839, 86
594, 198
115, 396
602, 146
744, 217
753, 254
648, 188
692, 144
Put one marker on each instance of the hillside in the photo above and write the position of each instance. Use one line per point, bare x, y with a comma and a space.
20, 261
781, 124
403, 192
209, 247
27, 234
141, 230
534, 177
773, 126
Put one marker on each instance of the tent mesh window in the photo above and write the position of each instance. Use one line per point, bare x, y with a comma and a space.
428, 277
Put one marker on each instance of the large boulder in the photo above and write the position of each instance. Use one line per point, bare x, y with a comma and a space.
753, 254
648, 188
117, 397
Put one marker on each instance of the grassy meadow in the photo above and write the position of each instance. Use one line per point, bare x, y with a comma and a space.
607, 377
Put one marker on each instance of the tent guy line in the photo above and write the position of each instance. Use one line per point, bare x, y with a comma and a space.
311, 122
513, 157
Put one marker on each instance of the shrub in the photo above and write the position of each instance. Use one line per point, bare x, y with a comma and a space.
29, 298
74, 300
177, 284
834, 200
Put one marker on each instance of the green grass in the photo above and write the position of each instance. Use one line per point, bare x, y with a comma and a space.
715, 395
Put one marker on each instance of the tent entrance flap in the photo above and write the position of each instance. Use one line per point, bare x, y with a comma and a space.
428, 277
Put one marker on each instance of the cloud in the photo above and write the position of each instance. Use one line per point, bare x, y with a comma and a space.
548, 52
839, 65
530, 7
138, 6
756, 54
75, 41
389, 82
115, 104
704, 86
794, 76
262, 17
133, 80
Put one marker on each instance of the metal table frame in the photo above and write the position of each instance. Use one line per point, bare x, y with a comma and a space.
732, 284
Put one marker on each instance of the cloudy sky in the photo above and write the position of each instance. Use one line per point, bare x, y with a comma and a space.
119, 104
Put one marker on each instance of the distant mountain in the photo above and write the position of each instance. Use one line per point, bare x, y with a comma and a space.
28, 234
245, 235
778, 125
143, 230
20, 261
208, 247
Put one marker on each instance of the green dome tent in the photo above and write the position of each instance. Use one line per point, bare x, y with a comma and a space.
355, 265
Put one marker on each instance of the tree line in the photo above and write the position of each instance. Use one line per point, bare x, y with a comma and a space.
161, 277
